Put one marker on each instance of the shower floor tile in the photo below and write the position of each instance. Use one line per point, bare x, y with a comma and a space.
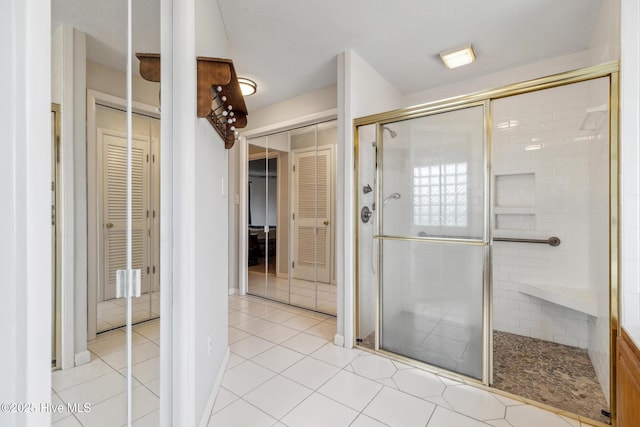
550, 373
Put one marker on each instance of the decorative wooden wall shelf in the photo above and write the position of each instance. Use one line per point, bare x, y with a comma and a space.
220, 100
149, 66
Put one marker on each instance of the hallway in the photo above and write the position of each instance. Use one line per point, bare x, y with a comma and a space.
283, 370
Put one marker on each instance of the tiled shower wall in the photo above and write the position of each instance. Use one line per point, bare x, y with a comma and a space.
552, 180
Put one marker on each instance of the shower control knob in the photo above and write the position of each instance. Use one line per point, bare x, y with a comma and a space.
365, 214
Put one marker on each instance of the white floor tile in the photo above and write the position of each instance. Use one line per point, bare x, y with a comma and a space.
304, 343
241, 414
150, 420
336, 355
145, 371
234, 360
311, 372
506, 401
365, 421
445, 418
139, 353
323, 330
373, 366
572, 422
278, 333
350, 389
278, 316
278, 358
236, 335
154, 386
57, 416
474, 402
96, 390
530, 416
238, 317
498, 423
301, 323
223, 399
67, 422
245, 377
418, 382
250, 346
112, 412
396, 408
320, 411
150, 331
254, 325
61, 380
277, 396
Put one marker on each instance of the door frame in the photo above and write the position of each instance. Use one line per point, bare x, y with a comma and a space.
94, 228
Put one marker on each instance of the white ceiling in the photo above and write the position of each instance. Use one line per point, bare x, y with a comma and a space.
289, 47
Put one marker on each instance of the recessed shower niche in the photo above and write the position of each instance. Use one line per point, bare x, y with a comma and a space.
515, 198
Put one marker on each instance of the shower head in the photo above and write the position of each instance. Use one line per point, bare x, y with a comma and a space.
390, 197
392, 132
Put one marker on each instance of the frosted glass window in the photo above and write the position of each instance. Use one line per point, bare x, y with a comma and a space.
440, 195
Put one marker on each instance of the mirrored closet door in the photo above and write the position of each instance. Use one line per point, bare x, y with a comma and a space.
290, 217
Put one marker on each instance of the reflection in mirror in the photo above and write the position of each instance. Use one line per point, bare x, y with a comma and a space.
291, 212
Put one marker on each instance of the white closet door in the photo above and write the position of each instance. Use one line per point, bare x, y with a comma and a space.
114, 208
312, 192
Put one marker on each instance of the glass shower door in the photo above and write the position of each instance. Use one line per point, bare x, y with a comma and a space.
432, 239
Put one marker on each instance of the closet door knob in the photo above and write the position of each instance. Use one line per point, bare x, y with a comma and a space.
109, 225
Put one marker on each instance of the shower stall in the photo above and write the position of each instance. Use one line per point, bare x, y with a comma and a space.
486, 237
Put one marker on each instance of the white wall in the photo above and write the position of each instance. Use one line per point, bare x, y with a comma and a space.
25, 213
199, 281
113, 82
562, 201
303, 105
361, 92
630, 168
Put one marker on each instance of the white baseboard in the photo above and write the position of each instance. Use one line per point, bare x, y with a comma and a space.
233, 291
338, 340
82, 358
204, 421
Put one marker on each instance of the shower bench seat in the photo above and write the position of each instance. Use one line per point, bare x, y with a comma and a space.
582, 300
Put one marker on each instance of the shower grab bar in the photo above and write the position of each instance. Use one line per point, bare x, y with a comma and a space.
551, 241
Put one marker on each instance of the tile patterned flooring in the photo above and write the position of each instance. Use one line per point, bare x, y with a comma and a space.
284, 370
547, 372
301, 293
111, 313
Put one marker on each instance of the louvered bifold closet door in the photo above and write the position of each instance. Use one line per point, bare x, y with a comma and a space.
114, 198
313, 211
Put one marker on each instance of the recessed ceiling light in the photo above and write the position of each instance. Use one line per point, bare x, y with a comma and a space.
458, 57
247, 87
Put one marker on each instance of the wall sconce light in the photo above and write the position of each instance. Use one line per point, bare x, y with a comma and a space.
247, 86
454, 58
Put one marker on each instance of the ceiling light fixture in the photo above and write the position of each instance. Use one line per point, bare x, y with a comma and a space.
247, 87
458, 57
